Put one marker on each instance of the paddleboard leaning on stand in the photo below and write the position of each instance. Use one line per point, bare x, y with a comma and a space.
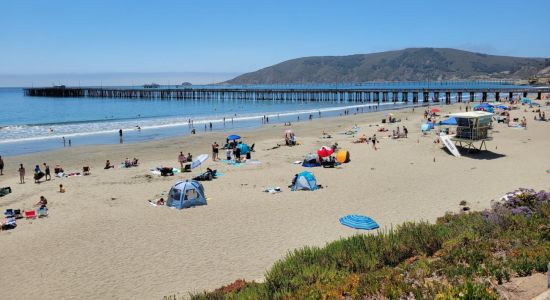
449, 144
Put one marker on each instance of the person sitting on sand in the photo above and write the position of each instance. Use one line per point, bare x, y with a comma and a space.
61, 189
42, 203
135, 162
58, 169
127, 162
108, 165
160, 201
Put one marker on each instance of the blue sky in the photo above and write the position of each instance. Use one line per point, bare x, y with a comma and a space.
68, 36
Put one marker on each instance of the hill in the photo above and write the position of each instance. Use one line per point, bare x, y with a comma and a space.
412, 64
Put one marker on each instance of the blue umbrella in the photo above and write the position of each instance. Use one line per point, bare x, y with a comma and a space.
233, 137
359, 222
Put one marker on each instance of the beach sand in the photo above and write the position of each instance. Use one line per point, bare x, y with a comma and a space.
103, 240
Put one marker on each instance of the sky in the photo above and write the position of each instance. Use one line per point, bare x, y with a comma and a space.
211, 40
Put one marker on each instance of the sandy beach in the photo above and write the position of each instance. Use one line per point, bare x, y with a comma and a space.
103, 240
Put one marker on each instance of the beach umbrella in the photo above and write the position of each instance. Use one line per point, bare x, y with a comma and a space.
325, 151
233, 137
435, 110
199, 160
359, 222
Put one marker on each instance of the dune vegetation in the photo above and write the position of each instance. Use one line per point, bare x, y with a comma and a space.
460, 256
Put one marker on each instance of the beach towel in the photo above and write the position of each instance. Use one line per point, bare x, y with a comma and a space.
359, 222
273, 190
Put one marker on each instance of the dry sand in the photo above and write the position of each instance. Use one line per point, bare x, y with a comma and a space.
103, 240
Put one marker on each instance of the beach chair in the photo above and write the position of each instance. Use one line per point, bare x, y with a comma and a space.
30, 214
86, 170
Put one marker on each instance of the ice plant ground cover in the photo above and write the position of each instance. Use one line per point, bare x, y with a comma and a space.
461, 256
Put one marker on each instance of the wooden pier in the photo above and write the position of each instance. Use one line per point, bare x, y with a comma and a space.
359, 93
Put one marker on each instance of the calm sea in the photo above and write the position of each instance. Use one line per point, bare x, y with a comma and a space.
34, 124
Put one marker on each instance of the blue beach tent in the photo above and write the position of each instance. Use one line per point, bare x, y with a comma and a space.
304, 181
484, 107
185, 194
526, 100
359, 222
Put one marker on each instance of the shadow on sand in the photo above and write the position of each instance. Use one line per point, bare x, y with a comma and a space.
476, 153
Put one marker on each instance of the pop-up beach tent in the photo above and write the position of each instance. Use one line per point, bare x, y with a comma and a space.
185, 194
305, 181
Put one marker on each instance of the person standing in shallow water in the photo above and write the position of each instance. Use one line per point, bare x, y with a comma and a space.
1, 166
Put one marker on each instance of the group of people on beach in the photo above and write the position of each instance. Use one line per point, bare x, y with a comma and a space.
183, 160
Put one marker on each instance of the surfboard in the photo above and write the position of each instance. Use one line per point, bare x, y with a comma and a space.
449, 144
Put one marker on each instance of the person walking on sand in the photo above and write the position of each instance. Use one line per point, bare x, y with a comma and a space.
1, 166
21, 174
374, 142
181, 160
47, 173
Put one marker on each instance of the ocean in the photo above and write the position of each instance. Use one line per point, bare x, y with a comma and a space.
34, 124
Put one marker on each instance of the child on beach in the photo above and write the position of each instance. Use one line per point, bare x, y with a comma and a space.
61, 189
228, 153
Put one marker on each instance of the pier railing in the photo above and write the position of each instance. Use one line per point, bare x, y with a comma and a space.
372, 92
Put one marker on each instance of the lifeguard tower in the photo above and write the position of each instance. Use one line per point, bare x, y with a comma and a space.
473, 127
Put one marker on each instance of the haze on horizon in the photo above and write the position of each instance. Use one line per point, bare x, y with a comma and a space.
135, 42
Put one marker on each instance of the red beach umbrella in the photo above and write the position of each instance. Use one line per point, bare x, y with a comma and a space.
324, 151
435, 110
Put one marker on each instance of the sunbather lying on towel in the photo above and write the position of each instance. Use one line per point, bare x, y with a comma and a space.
206, 176
362, 139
